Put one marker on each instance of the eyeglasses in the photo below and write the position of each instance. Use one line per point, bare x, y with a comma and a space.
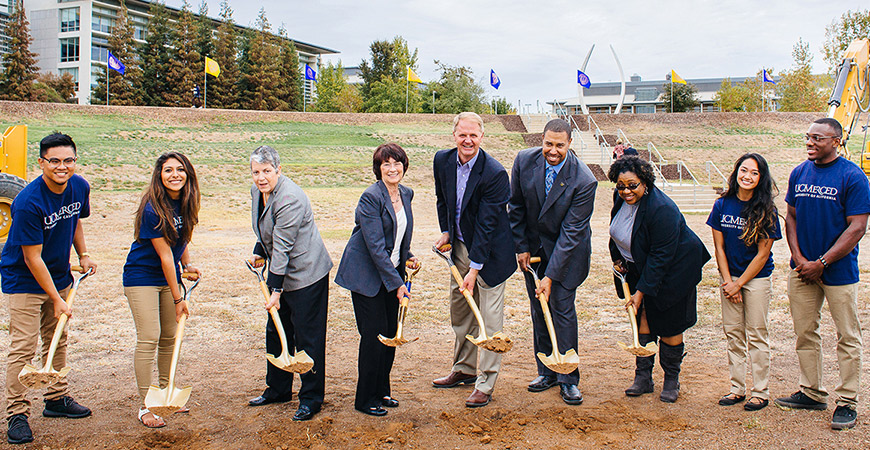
629, 187
817, 138
55, 162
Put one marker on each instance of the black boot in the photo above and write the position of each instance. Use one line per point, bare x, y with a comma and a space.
670, 358
643, 382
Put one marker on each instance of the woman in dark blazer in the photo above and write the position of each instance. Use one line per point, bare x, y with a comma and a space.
373, 269
663, 257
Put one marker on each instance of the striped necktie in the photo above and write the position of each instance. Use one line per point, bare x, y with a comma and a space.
548, 180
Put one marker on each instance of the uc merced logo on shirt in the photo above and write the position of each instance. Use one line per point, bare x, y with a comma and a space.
65, 212
813, 191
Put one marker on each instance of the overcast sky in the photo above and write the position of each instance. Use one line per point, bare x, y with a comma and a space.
536, 48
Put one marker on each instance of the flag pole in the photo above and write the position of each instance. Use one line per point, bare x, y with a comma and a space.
205, 90
672, 91
407, 86
107, 83
762, 90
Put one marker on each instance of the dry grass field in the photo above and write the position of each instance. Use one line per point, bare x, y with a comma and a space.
329, 155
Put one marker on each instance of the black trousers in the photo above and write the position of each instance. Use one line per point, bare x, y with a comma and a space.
374, 315
564, 314
303, 314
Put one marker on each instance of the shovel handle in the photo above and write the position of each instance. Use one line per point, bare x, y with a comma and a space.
632, 314
470, 299
545, 307
534, 259
179, 335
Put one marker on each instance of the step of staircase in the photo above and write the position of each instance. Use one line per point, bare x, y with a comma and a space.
535, 123
690, 197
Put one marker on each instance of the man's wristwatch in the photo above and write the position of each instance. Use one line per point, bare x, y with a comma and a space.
822, 260
278, 290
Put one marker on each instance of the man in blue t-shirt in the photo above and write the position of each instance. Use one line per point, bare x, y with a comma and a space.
828, 204
35, 275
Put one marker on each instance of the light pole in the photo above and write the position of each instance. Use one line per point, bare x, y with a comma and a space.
433, 101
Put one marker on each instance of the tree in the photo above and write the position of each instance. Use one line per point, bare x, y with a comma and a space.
389, 59
260, 87
388, 96
839, 34
19, 64
204, 43
156, 57
288, 71
329, 85
739, 97
349, 99
126, 89
798, 87
64, 86
186, 66
222, 90
501, 106
685, 97
457, 91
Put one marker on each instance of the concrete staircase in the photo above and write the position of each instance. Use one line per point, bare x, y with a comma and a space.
690, 197
535, 123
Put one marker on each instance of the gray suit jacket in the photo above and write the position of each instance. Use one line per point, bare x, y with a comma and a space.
287, 236
555, 226
366, 259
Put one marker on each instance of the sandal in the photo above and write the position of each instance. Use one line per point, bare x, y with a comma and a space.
731, 399
143, 412
755, 403
183, 410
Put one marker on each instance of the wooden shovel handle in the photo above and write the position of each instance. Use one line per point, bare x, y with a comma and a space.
548, 318
179, 335
632, 314
276, 319
534, 259
468, 298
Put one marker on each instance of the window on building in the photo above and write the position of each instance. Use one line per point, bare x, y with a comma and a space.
69, 49
646, 94
139, 32
69, 19
99, 53
74, 71
645, 109
102, 24
96, 71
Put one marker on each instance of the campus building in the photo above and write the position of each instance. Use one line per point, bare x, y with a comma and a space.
5, 13
72, 36
645, 97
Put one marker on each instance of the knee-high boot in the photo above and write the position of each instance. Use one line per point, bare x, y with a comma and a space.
643, 382
670, 358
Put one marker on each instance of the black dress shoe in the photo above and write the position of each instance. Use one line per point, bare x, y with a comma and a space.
260, 401
570, 394
389, 402
374, 411
305, 413
542, 383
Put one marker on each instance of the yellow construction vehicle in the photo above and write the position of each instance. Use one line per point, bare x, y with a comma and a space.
13, 173
851, 98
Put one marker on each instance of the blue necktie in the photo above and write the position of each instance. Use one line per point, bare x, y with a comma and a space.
548, 180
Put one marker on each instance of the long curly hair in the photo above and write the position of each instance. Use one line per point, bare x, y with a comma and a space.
157, 195
760, 212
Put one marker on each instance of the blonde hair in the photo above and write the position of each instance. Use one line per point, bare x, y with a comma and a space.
468, 115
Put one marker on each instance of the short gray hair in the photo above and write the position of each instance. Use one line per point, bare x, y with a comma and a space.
468, 115
266, 155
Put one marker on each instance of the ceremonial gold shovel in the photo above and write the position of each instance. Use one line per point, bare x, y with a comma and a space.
300, 362
403, 308
498, 342
635, 349
34, 378
166, 401
556, 361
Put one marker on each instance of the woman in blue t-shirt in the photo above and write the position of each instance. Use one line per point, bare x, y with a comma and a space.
167, 215
745, 224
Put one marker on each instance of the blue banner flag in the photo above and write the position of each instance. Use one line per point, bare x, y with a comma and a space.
493, 79
583, 79
310, 74
767, 78
115, 64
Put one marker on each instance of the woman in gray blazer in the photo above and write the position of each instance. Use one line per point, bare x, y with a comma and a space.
373, 267
298, 278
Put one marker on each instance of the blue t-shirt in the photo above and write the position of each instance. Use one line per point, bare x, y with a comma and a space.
143, 264
822, 198
41, 217
727, 218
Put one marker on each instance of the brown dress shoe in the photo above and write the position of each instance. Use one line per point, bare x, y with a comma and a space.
453, 380
477, 399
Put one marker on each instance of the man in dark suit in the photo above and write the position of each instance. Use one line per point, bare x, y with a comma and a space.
472, 190
552, 195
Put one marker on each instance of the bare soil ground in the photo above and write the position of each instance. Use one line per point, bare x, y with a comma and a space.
223, 354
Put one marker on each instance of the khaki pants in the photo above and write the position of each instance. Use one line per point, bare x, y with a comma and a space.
31, 316
745, 326
154, 316
490, 301
806, 302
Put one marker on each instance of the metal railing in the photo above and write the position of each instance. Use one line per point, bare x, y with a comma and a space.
621, 135
710, 167
590, 122
651, 148
680, 166
660, 177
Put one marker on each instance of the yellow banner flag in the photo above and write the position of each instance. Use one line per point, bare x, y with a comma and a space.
676, 78
212, 67
413, 76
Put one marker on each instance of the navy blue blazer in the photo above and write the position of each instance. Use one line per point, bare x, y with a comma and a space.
667, 252
366, 257
558, 223
484, 221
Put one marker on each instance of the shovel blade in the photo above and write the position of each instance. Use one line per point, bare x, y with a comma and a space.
396, 341
649, 350
282, 361
497, 343
34, 378
563, 364
301, 362
165, 402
